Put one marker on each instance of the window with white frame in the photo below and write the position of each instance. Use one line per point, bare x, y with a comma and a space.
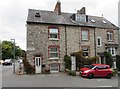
53, 52
54, 67
110, 36
85, 50
85, 34
111, 50
99, 42
53, 33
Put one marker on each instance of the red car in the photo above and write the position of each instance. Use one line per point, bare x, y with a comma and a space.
96, 70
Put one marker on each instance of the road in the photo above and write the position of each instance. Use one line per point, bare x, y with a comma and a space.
52, 80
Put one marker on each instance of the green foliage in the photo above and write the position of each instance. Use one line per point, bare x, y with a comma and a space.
81, 60
8, 50
114, 72
67, 60
118, 62
108, 58
28, 68
72, 72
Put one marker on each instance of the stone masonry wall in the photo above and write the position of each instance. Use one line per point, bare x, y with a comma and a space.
38, 42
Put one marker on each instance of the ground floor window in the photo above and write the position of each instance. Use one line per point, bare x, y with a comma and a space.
111, 50
85, 51
54, 67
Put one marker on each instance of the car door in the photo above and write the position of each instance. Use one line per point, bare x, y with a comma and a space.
98, 71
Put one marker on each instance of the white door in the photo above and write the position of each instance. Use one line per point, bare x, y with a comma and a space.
37, 64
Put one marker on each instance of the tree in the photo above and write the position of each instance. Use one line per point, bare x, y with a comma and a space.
67, 60
81, 60
8, 52
108, 58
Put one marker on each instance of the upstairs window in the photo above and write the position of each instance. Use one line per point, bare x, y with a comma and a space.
80, 17
53, 33
85, 35
53, 51
85, 50
110, 35
99, 43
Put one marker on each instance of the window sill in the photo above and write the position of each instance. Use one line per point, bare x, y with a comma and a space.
110, 41
55, 58
54, 39
99, 45
85, 40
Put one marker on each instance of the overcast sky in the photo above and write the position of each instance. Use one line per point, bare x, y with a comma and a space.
13, 14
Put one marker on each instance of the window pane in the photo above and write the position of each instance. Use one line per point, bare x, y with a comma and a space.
53, 54
85, 51
85, 35
53, 49
110, 36
53, 30
53, 36
54, 67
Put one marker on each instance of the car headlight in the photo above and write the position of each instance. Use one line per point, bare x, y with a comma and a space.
86, 71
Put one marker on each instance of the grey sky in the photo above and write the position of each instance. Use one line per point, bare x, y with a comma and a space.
13, 14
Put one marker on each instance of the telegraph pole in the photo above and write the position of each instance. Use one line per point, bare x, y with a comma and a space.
14, 55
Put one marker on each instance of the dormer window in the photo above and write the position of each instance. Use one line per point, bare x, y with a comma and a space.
81, 17
104, 21
37, 15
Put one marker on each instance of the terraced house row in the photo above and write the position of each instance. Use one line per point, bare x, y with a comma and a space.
53, 34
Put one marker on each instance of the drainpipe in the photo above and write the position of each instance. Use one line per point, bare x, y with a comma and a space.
65, 41
79, 37
95, 41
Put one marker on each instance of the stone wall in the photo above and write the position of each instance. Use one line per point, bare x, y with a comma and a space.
70, 41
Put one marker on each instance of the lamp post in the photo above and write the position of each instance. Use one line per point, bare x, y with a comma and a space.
14, 55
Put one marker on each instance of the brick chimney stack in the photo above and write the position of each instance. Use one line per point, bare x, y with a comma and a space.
58, 8
81, 11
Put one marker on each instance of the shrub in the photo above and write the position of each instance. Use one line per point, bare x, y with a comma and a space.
118, 62
72, 73
28, 68
109, 59
67, 60
114, 72
81, 60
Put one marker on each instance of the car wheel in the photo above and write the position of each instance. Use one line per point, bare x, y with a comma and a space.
109, 76
90, 76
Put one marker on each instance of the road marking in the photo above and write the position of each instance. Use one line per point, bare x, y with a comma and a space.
104, 86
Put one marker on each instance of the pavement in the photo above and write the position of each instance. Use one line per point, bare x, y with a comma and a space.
57, 80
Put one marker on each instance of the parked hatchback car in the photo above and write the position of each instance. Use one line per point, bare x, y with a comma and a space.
96, 70
7, 62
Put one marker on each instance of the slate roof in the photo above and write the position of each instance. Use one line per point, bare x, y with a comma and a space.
50, 17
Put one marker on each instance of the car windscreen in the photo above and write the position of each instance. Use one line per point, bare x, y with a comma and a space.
7, 60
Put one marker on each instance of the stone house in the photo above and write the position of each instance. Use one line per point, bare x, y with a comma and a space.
53, 34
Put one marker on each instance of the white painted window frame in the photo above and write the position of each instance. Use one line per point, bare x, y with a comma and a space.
99, 38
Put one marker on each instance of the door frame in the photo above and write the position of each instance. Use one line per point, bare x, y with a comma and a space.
38, 66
